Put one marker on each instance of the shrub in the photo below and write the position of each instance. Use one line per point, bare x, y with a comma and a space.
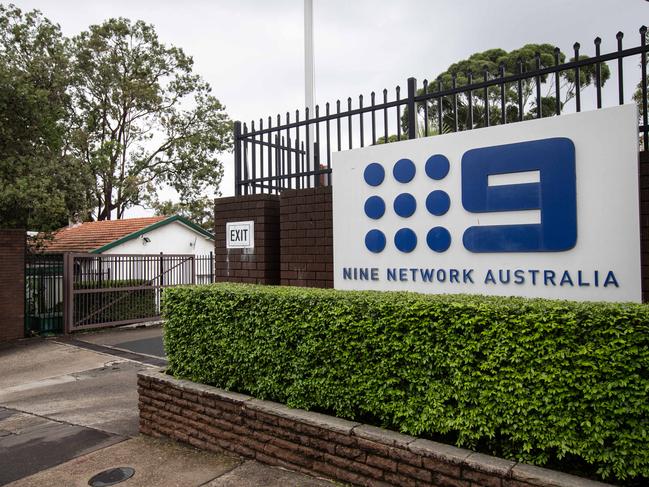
531, 380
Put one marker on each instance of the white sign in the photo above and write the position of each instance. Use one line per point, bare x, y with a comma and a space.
543, 208
240, 235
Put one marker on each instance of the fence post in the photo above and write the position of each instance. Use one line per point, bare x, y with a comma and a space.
316, 163
161, 283
68, 296
412, 109
193, 257
643, 65
161, 269
211, 267
237, 158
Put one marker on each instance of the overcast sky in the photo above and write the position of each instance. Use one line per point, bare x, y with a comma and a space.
251, 51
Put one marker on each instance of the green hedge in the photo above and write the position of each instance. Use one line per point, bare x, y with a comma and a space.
532, 380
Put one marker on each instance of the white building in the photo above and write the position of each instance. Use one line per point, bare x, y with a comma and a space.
149, 235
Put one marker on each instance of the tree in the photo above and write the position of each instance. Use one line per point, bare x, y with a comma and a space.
41, 185
493, 62
199, 211
143, 119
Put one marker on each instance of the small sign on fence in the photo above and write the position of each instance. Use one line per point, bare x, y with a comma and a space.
240, 235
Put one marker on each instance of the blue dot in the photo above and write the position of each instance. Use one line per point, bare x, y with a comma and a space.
405, 205
437, 166
438, 202
375, 241
404, 170
374, 174
405, 240
375, 207
438, 239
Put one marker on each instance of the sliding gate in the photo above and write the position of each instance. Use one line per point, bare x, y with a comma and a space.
109, 290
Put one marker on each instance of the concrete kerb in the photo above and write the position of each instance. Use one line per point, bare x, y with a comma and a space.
467, 460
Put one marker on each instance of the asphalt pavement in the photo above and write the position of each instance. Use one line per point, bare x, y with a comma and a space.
143, 340
68, 410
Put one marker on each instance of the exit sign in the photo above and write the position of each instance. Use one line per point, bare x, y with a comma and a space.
240, 235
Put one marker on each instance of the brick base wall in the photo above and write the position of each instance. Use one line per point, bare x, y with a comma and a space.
212, 419
261, 264
306, 229
12, 284
293, 238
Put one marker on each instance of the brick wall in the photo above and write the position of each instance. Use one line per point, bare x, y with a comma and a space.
644, 223
12, 284
315, 444
306, 225
261, 264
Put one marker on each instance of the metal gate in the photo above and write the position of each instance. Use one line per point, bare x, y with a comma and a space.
79, 291
109, 290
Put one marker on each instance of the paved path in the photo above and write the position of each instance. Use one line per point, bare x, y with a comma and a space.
68, 410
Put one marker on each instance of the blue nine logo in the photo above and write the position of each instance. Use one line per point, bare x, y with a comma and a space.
554, 195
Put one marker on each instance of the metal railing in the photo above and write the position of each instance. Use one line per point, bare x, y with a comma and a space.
43, 293
296, 153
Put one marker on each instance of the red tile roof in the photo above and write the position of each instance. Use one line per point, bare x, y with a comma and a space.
89, 236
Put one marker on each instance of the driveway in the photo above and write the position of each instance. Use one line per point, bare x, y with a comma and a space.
68, 410
144, 340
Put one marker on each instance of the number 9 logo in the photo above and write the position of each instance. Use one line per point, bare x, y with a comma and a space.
554, 195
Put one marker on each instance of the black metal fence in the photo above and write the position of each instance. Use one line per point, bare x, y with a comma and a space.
296, 153
43, 293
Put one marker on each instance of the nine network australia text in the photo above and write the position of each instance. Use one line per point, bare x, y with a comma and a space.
535, 277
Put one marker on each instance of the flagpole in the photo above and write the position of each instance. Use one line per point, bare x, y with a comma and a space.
309, 69
308, 56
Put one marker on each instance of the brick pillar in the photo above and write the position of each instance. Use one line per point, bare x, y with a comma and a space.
307, 237
644, 223
12, 284
261, 264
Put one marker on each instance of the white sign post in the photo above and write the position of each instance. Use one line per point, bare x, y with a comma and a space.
240, 235
544, 208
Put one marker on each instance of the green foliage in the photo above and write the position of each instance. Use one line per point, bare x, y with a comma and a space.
391, 138
40, 184
199, 211
94, 125
104, 307
532, 380
143, 118
492, 61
